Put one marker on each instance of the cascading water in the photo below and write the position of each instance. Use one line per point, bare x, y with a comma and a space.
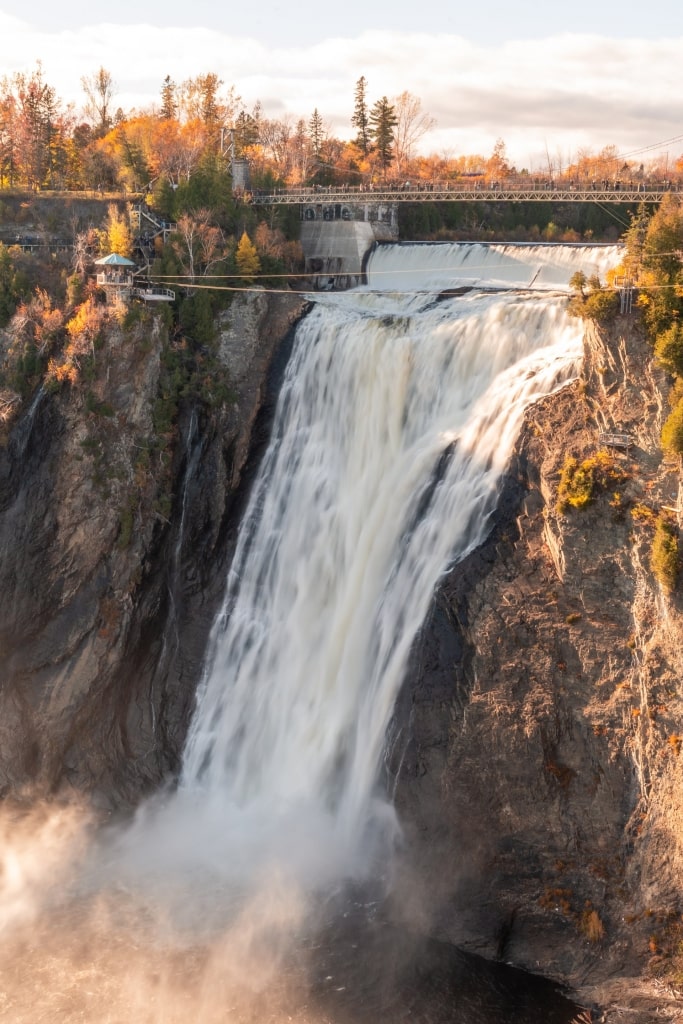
349, 529
399, 411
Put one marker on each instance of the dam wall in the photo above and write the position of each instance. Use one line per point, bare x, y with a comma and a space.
336, 238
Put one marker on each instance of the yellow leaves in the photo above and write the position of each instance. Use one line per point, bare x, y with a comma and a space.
246, 257
119, 234
61, 373
87, 319
82, 329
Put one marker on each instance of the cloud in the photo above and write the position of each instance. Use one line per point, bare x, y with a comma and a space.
565, 91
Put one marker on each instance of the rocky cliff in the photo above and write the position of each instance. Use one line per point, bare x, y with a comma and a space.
116, 521
540, 789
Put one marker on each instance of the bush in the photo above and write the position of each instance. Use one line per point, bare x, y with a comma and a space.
672, 431
579, 480
601, 306
669, 349
664, 559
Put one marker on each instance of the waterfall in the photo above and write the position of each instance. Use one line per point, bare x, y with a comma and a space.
395, 422
226, 897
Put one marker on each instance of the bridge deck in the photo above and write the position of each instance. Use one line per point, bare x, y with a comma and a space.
457, 193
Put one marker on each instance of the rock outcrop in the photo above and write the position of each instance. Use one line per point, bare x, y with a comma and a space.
115, 532
541, 788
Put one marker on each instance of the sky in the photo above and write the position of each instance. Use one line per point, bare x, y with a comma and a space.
548, 79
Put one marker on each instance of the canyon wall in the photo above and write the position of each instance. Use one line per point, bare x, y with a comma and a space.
537, 747
115, 532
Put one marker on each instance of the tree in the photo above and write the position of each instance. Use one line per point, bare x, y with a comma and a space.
41, 130
497, 165
360, 119
578, 282
315, 133
247, 132
664, 240
10, 291
672, 431
275, 140
665, 558
8, 134
201, 100
411, 125
99, 91
118, 236
634, 240
669, 349
247, 258
383, 122
198, 244
169, 104
301, 151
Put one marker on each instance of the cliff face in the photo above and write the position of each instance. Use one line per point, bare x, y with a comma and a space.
541, 787
113, 547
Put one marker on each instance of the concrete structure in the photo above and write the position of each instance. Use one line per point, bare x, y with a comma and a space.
336, 238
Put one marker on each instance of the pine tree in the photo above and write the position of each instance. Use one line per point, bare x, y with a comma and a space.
360, 117
169, 104
383, 121
246, 257
315, 132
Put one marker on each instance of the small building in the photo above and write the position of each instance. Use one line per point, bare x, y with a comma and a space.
120, 279
115, 275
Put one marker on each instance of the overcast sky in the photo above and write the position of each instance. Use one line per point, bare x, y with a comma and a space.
574, 75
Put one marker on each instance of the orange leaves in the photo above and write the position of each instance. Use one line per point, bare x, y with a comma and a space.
37, 321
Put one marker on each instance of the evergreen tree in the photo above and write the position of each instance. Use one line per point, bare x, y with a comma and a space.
634, 240
9, 293
383, 121
315, 133
360, 119
169, 104
246, 132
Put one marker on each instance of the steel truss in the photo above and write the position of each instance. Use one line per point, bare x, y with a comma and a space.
309, 197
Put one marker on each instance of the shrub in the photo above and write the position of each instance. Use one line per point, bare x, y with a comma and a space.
580, 480
669, 349
672, 431
664, 559
642, 513
602, 306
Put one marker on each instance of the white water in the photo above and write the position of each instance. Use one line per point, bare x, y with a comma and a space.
431, 267
347, 534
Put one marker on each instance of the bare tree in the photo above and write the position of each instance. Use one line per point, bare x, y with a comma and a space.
99, 91
198, 244
411, 125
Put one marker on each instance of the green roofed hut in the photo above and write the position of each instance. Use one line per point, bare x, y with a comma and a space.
117, 275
